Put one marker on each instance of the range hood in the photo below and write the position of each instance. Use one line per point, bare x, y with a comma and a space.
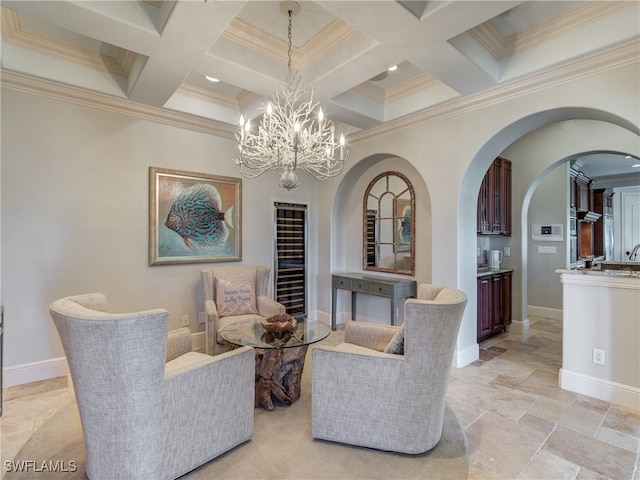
588, 216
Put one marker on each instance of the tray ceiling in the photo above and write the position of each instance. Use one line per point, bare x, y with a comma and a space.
157, 53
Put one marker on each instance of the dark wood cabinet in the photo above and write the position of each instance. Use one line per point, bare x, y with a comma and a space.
583, 194
494, 303
484, 307
603, 227
494, 199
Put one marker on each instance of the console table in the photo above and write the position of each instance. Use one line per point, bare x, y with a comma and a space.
390, 288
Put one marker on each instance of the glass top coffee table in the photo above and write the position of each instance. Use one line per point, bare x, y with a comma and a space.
279, 356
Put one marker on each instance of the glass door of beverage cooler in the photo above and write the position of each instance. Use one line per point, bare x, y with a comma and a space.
290, 263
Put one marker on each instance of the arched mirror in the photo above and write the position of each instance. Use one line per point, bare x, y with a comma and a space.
389, 224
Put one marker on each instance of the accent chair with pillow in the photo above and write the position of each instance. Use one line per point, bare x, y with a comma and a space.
233, 293
385, 387
150, 408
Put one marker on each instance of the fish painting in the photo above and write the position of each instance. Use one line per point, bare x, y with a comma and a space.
197, 216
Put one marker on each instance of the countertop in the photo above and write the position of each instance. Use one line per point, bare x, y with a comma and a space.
484, 271
600, 272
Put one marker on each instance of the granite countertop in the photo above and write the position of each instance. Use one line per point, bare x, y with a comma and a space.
600, 272
483, 271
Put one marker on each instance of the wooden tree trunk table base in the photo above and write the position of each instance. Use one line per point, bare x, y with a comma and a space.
278, 375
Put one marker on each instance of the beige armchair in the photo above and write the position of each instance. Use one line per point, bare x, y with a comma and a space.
241, 304
363, 396
149, 406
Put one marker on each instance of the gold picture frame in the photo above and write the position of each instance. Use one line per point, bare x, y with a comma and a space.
194, 217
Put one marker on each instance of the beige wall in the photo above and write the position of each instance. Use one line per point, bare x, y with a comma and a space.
75, 207
75, 215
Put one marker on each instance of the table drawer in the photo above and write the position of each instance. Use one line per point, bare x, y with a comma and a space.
340, 282
360, 286
378, 289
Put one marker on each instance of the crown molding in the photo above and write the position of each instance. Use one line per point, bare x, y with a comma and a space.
208, 95
502, 47
405, 89
79, 96
412, 86
567, 22
245, 34
370, 92
14, 34
617, 57
328, 38
620, 56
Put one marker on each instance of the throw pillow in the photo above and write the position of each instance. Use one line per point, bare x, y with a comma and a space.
236, 296
396, 345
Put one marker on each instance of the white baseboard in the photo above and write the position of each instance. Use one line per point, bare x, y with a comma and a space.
544, 312
606, 390
519, 327
33, 372
57, 367
462, 358
199, 341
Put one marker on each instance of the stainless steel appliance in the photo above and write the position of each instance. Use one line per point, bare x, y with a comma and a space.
495, 259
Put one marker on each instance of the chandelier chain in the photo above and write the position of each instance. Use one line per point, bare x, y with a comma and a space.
290, 135
289, 37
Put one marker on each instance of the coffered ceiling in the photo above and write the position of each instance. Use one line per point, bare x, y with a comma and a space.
157, 53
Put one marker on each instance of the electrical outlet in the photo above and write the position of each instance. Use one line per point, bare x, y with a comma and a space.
201, 317
507, 251
185, 320
598, 356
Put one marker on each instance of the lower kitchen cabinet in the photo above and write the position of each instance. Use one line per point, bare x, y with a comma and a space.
494, 303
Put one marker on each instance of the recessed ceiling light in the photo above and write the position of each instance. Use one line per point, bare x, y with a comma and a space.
393, 68
635, 165
211, 79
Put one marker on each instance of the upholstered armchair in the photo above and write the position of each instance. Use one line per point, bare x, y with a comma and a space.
150, 408
365, 395
233, 293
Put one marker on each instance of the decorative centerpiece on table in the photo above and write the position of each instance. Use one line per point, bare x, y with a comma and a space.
280, 323
279, 327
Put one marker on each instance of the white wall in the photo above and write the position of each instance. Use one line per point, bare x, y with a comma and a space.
543, 284
75, 215
538, 155
453, 151
75, 208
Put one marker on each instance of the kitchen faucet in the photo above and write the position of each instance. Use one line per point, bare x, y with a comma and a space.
632, 255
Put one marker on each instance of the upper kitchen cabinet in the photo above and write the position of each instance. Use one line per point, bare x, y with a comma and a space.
494, 199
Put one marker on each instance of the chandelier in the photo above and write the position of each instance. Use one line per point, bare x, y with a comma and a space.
290, 136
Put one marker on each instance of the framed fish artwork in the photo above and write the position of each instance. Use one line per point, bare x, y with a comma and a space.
193, 217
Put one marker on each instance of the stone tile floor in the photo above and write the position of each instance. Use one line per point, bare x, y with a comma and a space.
519, 423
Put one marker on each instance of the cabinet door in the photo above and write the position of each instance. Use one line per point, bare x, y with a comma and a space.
496, 205
583, 195
496, 303
484, 218
484, 308
505, 301
505, 197
494, 199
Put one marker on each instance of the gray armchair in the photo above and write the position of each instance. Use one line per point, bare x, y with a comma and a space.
389, 401
150, 408
264, 306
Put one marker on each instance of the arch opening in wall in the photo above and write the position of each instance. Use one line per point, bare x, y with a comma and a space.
534, 144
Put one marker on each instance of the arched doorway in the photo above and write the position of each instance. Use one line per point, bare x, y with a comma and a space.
535, 144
